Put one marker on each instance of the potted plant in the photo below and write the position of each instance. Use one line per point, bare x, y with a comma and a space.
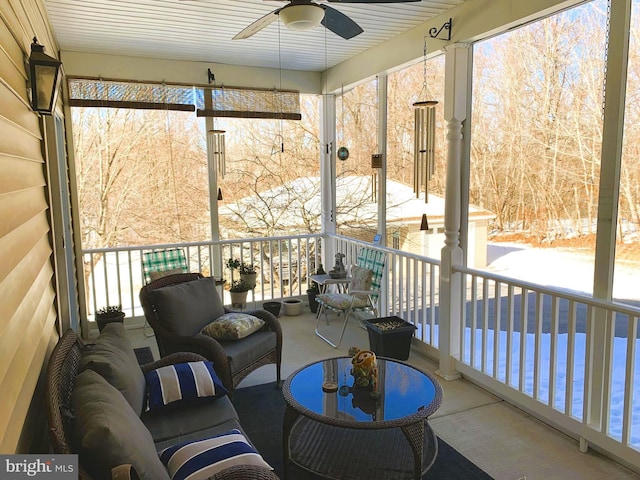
232, 264
248, 274
109, 314
238, 291
314, 290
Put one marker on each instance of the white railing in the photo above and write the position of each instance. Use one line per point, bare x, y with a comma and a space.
545, 357
114, 275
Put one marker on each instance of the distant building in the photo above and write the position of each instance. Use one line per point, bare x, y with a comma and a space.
357, 215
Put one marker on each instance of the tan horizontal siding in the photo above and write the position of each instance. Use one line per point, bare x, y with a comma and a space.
26, 325
27, 295
20, 241
16, 209
15, 109
18, 141
11, 69
17, 174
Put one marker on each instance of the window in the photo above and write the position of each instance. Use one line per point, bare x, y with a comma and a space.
536, 142
356, 184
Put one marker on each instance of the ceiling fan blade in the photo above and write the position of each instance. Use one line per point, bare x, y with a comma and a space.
339, 23
258, 25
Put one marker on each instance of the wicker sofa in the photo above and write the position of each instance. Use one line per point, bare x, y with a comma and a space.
96, 409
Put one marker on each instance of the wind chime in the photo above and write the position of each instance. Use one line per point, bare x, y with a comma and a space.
217, 150
424, 141
343, 151
216, 139
376, 158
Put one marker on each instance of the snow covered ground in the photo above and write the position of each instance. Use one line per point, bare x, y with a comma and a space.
558, 268
564, 269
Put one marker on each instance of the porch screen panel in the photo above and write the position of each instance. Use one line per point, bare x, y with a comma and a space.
251, 103
84, 92
223, 101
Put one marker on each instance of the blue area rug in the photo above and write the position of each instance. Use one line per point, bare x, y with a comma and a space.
261, 411
143, 355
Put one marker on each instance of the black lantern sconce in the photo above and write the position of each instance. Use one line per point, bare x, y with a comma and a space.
44, 77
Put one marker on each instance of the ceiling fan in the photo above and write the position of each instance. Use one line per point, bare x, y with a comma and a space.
307, 14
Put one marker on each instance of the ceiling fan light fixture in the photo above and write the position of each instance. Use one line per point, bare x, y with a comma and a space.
302, 17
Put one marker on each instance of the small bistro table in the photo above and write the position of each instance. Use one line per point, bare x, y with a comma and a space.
324, 280
348, 435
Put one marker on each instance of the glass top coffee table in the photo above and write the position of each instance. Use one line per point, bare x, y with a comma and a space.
348, 434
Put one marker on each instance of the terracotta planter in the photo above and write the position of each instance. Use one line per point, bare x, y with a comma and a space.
239, 299
292, 306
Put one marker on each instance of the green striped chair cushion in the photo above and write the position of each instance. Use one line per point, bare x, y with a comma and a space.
172, 260
373, 260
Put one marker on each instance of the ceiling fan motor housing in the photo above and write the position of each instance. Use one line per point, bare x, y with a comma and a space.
302, 17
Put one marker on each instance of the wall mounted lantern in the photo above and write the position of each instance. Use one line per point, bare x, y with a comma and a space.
44, 76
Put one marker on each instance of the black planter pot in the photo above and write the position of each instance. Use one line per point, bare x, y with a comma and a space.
313, 305
107, 318
394, 342
272, 307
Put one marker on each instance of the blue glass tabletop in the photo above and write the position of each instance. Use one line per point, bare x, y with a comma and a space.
403, 391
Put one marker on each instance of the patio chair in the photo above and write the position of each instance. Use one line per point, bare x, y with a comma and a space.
361, 295
179, 306
160, 263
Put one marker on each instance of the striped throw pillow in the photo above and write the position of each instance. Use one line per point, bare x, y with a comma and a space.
182, 381
204, 458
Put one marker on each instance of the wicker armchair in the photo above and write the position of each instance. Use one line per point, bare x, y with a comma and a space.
229, 357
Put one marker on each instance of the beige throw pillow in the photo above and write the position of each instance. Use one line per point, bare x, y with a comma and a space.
233, 326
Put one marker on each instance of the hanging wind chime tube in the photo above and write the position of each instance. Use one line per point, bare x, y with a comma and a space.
215, 138
424, 131
424, 146
376, 158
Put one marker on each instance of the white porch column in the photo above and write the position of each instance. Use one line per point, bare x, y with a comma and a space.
600, 327
456, 97
328, 173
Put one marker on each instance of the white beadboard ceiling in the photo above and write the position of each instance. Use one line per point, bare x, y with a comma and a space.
202, 30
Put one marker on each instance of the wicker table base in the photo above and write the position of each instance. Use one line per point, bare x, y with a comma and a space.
350, 434
345, 454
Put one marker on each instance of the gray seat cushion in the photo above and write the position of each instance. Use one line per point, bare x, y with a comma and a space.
187, 307
112, 356
245, 352
108, 432
180, 421
202, 434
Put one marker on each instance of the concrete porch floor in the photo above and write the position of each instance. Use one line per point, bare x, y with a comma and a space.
504, 441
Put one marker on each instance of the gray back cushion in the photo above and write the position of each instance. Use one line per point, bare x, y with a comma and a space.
108, 432
187, 307
112, 356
